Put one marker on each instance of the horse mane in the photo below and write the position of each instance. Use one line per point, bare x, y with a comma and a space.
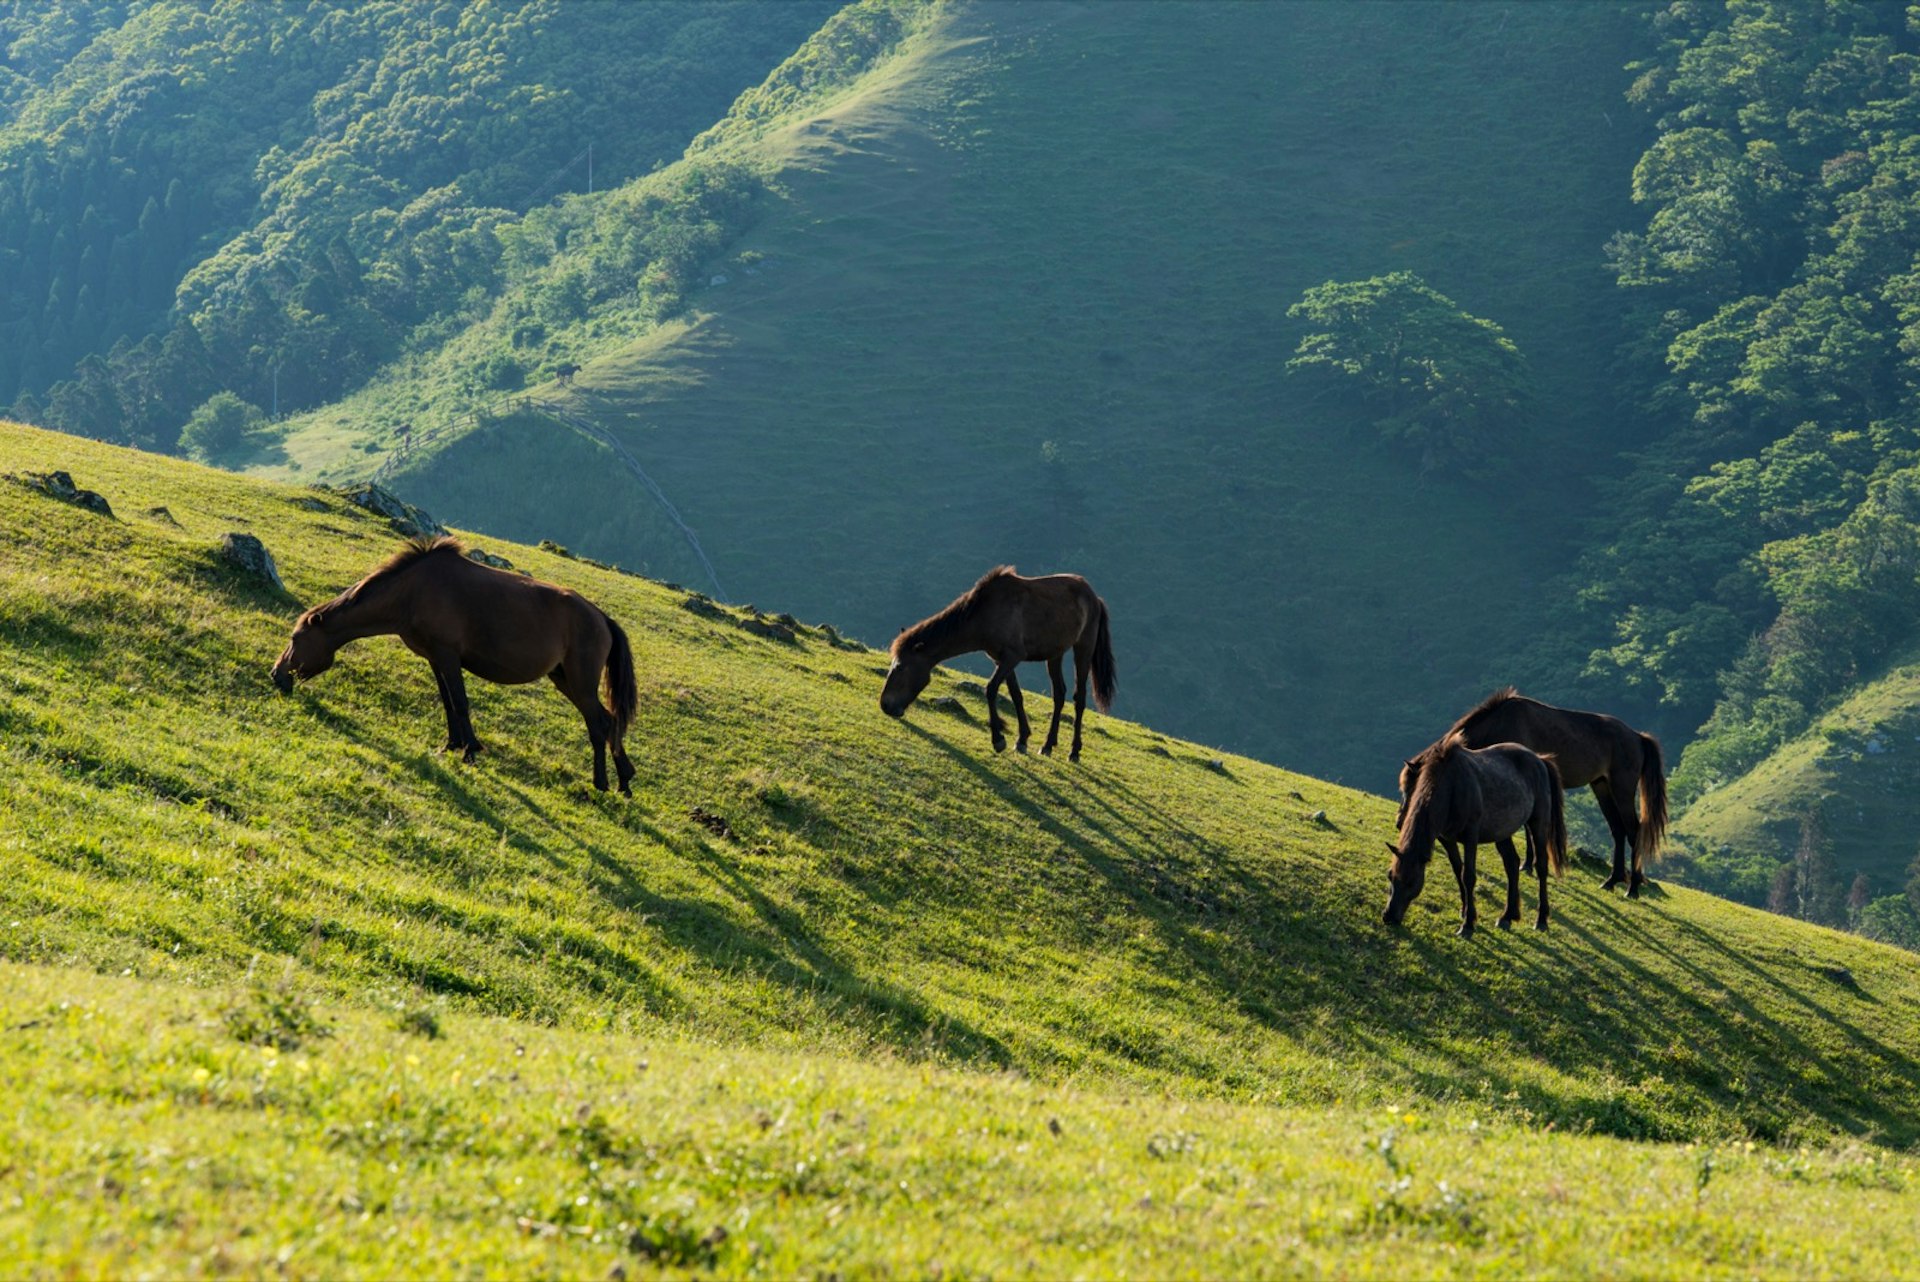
938, 627
1505, 694
416, 548
1433, 756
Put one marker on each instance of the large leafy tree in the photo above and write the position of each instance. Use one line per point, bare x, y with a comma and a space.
1443, 383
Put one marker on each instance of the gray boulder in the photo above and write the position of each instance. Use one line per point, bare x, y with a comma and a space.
406, 519
59, 485
251, 555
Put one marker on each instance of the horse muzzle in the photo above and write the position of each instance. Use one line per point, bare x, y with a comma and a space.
282, 680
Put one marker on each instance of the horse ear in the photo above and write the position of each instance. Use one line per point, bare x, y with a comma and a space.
1391, 849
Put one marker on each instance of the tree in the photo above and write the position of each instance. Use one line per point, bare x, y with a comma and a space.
221, 429
1447, 384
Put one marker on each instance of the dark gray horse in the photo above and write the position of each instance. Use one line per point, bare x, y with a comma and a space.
1468, 796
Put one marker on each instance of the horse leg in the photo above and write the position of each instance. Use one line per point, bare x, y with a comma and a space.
623, 768
1510, 858
1082, 665
599, 722
994, 726
1059, 679
1603, 793
1469, 913
1019, 710
1630, 820
460, 722
1539, 833
446, 706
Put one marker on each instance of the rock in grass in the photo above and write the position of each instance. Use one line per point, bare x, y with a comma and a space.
59, 485
251, 555
404, 517
488, 558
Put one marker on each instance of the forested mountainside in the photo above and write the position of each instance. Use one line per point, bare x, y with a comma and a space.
274, 200
1761, 558
1366, 356
1017, 291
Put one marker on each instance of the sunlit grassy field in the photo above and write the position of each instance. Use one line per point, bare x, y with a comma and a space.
143, 1138
809, 915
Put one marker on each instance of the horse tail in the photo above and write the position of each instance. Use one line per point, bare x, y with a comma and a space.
1557, 836
1104, 677
1653, 799
622, 692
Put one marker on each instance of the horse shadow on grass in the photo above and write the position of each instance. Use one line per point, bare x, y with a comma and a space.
1631, 1047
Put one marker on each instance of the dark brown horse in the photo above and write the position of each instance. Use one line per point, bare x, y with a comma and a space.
1469, 796
462, 616
1014, 620
1591, 749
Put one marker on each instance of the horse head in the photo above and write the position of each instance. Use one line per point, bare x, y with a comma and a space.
911, 670
308, 654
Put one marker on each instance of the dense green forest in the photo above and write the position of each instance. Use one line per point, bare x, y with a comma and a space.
1762, 553
1707, 393
277, 200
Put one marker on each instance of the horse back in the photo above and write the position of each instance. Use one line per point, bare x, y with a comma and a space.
1045, 616
506, 627
1585, 745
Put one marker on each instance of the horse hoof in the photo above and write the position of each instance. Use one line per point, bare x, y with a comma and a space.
1046, 750
1540, 923
470, 755
1465, 931
1505, 923
1611, 882
999, 745
1021, 747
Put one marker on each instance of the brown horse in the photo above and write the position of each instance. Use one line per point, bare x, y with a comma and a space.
1014, 620
1591, 749
1470, 796
457, 614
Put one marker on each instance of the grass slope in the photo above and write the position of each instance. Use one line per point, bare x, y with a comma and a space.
142, 1138
1857, 768
1022, 299
799, 871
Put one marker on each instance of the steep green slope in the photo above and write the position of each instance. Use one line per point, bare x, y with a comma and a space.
799, 871
1022, 298
1840, 794
275, 200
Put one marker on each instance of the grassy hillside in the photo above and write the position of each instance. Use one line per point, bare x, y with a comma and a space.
143, 1136
1020, 296
1856, 768
798, 870
821, 979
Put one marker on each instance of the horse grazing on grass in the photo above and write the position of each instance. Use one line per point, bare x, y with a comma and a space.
460, 616
1469, 796
1014, 620
1591, 749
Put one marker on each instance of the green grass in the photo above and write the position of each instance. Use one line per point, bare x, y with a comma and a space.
894, 923
144, 1138
1081, 227
1857, 767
